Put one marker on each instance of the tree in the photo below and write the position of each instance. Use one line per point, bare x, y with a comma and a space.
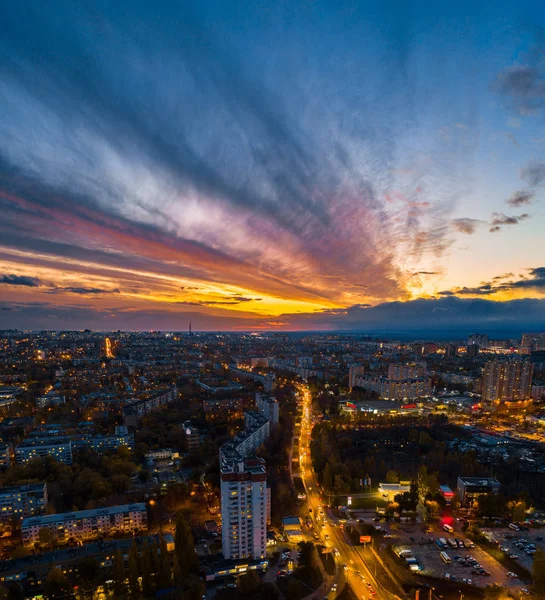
538, 572
146, 571
518, 511
328, 477
307, 550
269, 591
56, 585
392, 477
455, 502
177, 575
248, 584
134, 584
185, 548
433, 508
164, 571
88, 570
46, 537
118, 576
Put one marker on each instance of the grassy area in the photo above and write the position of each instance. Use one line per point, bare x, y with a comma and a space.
368, 503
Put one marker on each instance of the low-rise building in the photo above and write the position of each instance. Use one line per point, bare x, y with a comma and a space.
87, 524
60, 448
23, 500
470, 488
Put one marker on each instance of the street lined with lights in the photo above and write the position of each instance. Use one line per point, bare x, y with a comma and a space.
349, 562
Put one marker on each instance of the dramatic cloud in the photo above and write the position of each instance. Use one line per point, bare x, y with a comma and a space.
82, 291
466, 225
534, 280
521, 197
522, 87
534, 174
499, 219
20, 280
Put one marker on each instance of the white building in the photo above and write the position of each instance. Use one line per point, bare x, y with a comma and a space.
245, 498
87, 524
268, 406
244, 508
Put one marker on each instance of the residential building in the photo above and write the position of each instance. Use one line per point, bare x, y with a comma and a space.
193, 436
507, 381
478, 339
532, 342
5, 458
470, 488
23, 500
268, 406
60, 448
87, 524
393, 389
244, 508
353, 372
538, 394
245, 497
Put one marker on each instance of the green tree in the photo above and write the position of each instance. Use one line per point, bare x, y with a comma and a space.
538, 572
185, 548
56, 585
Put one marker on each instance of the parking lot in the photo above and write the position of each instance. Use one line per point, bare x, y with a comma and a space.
466, 563
518, 543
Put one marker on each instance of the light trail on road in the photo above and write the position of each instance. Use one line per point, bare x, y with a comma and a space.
357, 573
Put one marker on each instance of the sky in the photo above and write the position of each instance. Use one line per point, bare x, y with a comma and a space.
290, 165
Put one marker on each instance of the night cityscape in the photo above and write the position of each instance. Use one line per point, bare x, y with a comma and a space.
272, 300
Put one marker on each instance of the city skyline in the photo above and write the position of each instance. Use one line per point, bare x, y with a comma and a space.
303, 167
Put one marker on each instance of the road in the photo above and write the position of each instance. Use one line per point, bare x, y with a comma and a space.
347, 556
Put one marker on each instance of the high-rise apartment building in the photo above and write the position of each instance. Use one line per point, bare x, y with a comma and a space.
478, 339
244, 507
244, 494
532, 342
268, 406
355, 371
401, 372
507, 381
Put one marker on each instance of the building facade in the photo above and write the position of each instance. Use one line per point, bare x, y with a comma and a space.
470, 488
87, 524
59, 448
268, 406
244, 508
23, 500
507, 381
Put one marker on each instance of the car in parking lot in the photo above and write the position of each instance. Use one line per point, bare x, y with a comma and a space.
511, 575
